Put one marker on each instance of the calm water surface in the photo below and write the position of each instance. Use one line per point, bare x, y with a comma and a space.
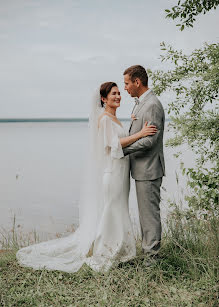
41, 172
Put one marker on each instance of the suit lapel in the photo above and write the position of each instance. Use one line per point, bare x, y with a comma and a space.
130, 126
139, 107
141, 104
132, 119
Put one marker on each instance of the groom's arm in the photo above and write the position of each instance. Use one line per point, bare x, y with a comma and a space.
154, 117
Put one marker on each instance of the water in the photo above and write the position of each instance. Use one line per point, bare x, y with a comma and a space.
41, 172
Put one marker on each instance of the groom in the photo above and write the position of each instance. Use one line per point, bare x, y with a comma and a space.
146, 156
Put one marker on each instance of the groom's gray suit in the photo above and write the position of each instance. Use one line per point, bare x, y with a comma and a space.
147, 168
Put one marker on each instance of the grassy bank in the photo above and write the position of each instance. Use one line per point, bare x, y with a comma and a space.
185, 275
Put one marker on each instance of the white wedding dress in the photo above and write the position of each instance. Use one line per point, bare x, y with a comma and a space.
104, 236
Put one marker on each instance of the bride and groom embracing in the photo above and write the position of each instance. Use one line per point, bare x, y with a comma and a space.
105, 236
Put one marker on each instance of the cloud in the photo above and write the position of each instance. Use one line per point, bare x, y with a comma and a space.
54, 53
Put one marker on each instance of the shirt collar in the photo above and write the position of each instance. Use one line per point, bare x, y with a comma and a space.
144, 94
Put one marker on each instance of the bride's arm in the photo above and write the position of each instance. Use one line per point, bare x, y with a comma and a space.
145, 131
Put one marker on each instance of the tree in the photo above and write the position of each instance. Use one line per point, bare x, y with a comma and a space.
194, 82
187, 10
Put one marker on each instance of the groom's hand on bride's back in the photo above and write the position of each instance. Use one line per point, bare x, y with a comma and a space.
148, 130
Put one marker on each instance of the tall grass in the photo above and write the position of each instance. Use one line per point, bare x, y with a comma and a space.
192, 244
15, 237
186, 274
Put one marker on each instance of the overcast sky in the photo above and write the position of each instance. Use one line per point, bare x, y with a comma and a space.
54, 53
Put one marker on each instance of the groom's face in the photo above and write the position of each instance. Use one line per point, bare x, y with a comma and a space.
130, 86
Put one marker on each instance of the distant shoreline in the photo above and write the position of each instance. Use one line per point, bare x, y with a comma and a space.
42, 120
51, 120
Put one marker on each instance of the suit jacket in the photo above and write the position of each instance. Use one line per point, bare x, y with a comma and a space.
146, 154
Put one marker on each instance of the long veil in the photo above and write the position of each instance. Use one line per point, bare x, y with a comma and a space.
91, 196
69, 253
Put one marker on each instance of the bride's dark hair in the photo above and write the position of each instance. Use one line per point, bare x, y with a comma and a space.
105, 88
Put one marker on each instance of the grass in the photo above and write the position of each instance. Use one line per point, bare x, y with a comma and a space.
185, 275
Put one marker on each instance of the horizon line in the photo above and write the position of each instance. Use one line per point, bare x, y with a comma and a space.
54, 119
49, 119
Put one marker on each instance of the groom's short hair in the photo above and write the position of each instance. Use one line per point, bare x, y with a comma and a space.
137, 71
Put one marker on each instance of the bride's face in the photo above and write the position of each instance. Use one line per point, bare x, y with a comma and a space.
113, 98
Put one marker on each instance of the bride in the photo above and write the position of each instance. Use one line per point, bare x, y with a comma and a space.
104, 236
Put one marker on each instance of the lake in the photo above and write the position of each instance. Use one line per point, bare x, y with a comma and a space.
41, 170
